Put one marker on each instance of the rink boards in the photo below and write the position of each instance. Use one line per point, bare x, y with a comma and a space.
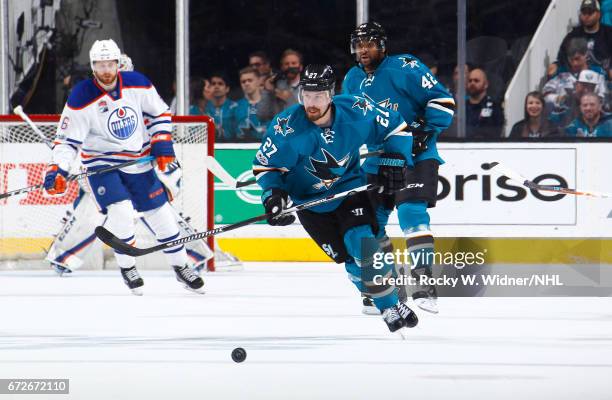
475, 206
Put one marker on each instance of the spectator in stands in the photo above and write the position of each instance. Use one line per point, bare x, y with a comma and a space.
254, 110
261, 62
454, 87
558, 91
606, 12
592, 122
284, 85
221, 108
484, 117
568, 106
598, 37
202, 94
535, 124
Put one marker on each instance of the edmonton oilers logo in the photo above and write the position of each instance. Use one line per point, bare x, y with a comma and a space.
122, 122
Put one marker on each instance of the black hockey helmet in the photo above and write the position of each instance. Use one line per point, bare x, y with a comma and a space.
316, 77
369, 31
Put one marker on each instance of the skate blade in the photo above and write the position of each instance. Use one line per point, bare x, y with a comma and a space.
402, 334
198, 291
370, 310
60, 271
427, 305
137, 291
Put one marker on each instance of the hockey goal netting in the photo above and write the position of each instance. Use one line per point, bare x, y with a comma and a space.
29, 222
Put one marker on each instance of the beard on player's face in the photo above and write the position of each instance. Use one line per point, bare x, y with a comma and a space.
314, 113
106, 78
316, 103
106, 71
369, 55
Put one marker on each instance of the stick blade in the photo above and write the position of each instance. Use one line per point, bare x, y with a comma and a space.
115, 243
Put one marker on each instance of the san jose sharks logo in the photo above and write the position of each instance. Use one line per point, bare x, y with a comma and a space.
407, 61
328, 170
363, 104
386, 103
282, 126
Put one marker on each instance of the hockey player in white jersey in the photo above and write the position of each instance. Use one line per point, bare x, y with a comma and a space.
103, 120
75, 243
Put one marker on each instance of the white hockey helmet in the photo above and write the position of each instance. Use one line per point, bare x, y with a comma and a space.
125, 63
103, 50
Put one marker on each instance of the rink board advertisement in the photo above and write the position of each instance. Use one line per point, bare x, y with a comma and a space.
474, 203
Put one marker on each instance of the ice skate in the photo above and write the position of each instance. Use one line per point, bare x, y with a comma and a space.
410, 318
189, 278
60, 270
368, 306
133, 280
393, 319
425, 296
427, 304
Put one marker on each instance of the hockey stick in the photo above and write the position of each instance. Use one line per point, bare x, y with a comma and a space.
78, 176
217, 170
515, 176
19, 111
119, 245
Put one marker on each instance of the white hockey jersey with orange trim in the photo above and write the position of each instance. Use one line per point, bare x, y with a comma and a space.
112, 127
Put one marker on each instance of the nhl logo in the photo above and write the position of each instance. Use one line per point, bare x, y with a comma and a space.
101, 191
103, 107
122, 122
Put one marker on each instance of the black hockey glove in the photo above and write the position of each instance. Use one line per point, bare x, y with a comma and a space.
419, 136
392, 172
275, 202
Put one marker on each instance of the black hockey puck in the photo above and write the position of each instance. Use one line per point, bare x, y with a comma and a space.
238, 354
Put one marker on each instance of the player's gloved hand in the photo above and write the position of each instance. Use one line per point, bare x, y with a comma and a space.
419, 136
392, 172
162, 150
55, 180
275, 201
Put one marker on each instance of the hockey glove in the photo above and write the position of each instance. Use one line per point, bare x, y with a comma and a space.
419, 137
392, 172
55, 180
275, 201
162, 150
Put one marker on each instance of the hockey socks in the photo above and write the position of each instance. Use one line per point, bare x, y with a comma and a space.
371, 281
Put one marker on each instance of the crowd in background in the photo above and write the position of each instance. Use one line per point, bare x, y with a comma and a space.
263, 93
575, 101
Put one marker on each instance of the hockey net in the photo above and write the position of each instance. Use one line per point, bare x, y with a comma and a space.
29, 222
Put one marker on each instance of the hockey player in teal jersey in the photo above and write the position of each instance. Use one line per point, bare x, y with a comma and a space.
403, 83
310, 151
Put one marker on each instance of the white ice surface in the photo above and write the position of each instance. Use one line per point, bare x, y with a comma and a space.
305, 337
